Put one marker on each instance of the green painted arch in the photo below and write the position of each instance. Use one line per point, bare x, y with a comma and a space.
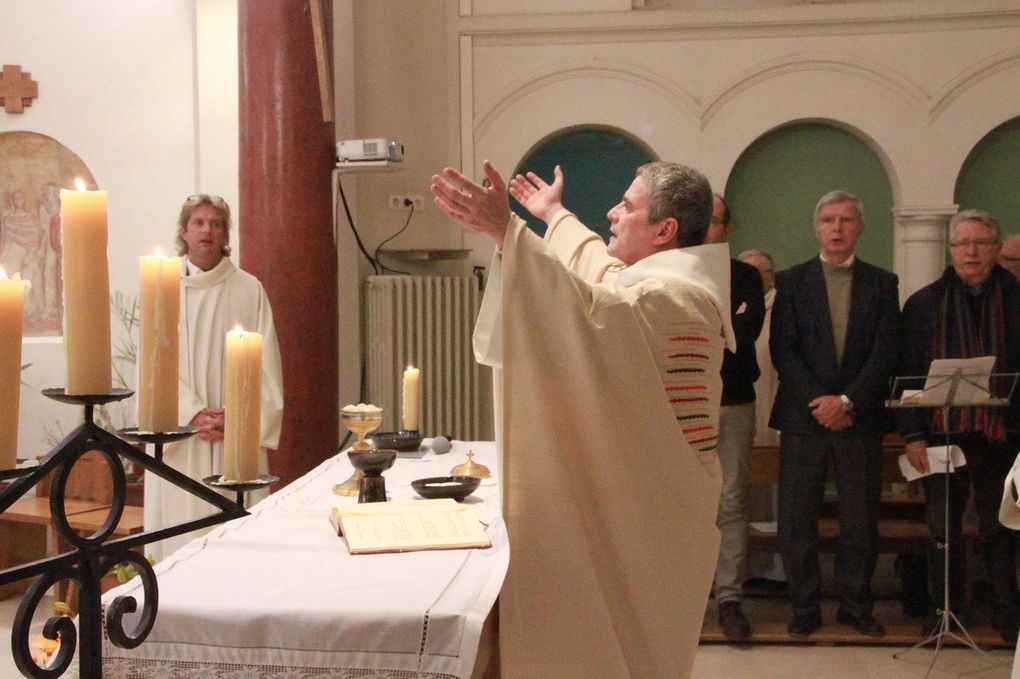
598, 165
989, 176
776, 181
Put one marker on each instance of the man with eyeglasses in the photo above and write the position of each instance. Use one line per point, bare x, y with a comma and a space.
834, 339
216, 296
970, 311
736, 430
1009, 256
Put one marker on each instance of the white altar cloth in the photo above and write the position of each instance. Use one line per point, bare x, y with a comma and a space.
277, 595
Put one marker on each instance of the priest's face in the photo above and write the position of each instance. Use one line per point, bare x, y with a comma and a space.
205, 235
633, 238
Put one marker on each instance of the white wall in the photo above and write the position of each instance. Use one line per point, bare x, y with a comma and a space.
920, 82
118, 86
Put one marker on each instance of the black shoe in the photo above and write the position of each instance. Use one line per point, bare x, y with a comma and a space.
804, 625
865, 624
735, 625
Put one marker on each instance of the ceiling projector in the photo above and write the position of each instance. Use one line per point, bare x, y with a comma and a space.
351, 150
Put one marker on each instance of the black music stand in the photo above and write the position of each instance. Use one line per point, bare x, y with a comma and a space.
951, 384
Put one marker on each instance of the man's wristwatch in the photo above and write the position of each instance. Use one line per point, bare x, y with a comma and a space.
848, 405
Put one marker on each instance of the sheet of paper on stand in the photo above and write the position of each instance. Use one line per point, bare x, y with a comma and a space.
971, 387
278, 589
936, 462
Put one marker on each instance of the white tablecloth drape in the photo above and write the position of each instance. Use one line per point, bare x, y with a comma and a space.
276, 595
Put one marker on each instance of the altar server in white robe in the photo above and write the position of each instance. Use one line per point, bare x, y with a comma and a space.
1009, 516
609, 393
216, 296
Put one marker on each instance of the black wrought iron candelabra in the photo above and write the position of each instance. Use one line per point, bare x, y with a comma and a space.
94, 555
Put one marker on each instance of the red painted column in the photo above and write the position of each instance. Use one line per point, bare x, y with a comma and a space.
285, 219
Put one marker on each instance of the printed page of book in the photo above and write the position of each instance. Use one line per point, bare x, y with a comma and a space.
409, 526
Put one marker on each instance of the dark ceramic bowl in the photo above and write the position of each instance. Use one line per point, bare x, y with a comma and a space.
401, 441
456, 487
372, 461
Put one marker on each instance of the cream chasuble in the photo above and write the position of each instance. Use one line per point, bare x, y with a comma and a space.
609, 407
1009, 516
212, 302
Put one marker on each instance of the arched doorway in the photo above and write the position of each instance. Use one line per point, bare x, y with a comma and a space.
598, 165
989, 174
777, 180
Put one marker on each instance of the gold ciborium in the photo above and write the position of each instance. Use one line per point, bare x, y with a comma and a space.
360, 419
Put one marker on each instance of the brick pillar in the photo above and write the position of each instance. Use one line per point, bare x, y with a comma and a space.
285, 219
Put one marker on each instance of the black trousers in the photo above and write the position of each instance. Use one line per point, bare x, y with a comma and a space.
985, 471
856, 459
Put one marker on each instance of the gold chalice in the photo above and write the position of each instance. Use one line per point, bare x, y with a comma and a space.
360, 419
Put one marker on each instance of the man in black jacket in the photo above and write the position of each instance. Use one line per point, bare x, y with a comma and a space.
736, 430
972, 310
834, 341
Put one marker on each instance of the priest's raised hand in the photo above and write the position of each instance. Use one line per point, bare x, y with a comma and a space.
485, 209
538, 197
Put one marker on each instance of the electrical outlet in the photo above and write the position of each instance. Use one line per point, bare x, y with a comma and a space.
398, 201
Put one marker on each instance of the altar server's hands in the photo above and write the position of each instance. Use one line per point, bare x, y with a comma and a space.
539, 198
209, 422
485, 209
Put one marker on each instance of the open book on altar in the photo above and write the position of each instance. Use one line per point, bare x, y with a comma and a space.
376, 527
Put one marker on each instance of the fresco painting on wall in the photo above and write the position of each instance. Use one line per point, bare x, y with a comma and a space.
33, 169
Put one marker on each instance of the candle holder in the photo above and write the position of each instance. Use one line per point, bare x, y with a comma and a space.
157, 438
240, 487
361, 422
17, 472
92, 556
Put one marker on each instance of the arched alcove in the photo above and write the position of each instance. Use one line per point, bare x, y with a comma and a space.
776, 181
990, 172
598, 165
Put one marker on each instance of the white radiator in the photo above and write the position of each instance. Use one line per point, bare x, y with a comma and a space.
424, 321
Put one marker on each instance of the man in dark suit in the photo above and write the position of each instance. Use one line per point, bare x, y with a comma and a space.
970, 311
834, 341
736, 430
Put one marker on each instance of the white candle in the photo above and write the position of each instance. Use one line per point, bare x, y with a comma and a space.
242, 406
86, 291
158, 344
12, 309
410, 398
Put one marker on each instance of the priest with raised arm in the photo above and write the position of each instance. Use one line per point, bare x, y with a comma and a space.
607, 396
216, 296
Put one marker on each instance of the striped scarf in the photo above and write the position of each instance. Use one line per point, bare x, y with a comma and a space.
967, 330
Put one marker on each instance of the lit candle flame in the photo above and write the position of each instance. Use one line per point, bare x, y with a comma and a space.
79, 184
238, 329
158, 252
3, 274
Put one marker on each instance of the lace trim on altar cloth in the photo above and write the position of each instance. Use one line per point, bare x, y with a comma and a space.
130, 668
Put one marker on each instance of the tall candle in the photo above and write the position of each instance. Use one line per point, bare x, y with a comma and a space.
410, 398
86, 291
158, 346
242, 406
12, 309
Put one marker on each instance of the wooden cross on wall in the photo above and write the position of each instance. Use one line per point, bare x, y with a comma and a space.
17, 89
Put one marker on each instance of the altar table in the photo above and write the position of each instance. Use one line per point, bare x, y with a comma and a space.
276, 594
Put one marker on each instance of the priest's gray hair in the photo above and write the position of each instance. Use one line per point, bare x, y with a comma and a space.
189, 206
681, 192
833, 197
